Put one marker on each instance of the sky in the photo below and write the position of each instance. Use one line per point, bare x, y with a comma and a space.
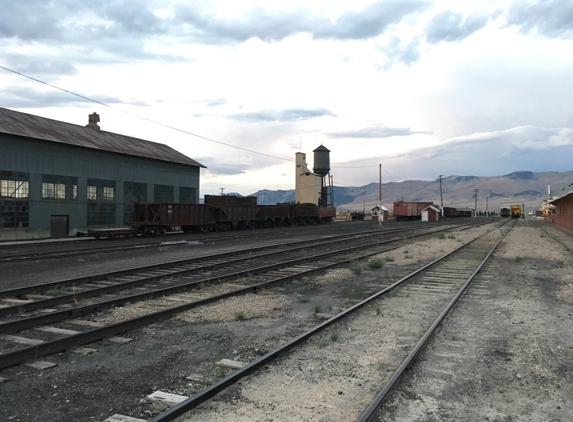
425, 88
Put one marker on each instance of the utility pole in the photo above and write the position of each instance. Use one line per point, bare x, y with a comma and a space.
381, 215
476, 203
440, 177
222, 193
487, 206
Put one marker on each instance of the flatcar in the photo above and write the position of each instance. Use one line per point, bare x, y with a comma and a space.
221, 213
409, 210
515, 210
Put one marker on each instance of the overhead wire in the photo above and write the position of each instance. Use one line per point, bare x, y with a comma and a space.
143, 118
166, 125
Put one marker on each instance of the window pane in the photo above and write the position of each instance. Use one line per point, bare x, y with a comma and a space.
92, 193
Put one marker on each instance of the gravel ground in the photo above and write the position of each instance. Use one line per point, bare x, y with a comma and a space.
118, 378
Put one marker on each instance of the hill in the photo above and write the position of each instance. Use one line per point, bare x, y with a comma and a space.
520, 187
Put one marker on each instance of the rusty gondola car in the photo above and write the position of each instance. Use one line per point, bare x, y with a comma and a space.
220, 213
157, 218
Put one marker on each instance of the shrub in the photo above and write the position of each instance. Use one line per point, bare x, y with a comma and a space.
334, 336
389, 258
375, 263
240, 315
355, 294
441, 236
356, 269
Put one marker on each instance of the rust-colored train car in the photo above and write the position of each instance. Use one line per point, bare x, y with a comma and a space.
220, 213
157, 218
450, 212
409, 210
274, 215
326, 214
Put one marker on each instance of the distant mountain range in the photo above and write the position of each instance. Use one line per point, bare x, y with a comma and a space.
520, 187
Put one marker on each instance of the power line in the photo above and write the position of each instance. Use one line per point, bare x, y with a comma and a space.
141, 117
166, 125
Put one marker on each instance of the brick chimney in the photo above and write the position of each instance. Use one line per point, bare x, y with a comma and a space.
93, 121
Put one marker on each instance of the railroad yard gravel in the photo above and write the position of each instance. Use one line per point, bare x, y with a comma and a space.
516, 364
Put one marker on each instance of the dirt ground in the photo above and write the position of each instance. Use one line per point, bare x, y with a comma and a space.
515, 367
506, 351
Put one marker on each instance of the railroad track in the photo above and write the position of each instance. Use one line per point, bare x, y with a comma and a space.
17, 317
562, 236
423, 298
6, 256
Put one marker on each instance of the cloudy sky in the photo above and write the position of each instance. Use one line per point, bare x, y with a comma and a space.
425, 88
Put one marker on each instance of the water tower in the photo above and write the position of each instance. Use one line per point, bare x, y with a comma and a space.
322, 168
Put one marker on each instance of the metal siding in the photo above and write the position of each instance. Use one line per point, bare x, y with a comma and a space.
38, 157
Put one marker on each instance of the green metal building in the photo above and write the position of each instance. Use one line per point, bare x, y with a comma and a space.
58, 179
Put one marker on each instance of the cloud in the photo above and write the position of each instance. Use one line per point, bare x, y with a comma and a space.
376, 132
367, 23
268, 27
213, 102
23, 97
397, 52
561, 138
551, 18
43, 64
509, 141
450, 26
215, 170
287, 115
493, 153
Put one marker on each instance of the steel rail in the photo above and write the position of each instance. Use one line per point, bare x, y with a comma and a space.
103, 276
383, 394
54, 346
211, 391
557, 239
73, 297
48, 318
15, 258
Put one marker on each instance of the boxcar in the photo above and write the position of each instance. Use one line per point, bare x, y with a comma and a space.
409, 210
450, 212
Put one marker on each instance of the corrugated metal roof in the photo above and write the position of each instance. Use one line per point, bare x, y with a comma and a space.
561, 197
22, 124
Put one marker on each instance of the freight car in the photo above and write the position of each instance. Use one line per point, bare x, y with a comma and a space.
450, 212
515, 211
409, 210
357, 216
504, 212
221, 213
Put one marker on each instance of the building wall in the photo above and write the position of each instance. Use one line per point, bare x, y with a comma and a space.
563, 212
307, 184
41, 161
